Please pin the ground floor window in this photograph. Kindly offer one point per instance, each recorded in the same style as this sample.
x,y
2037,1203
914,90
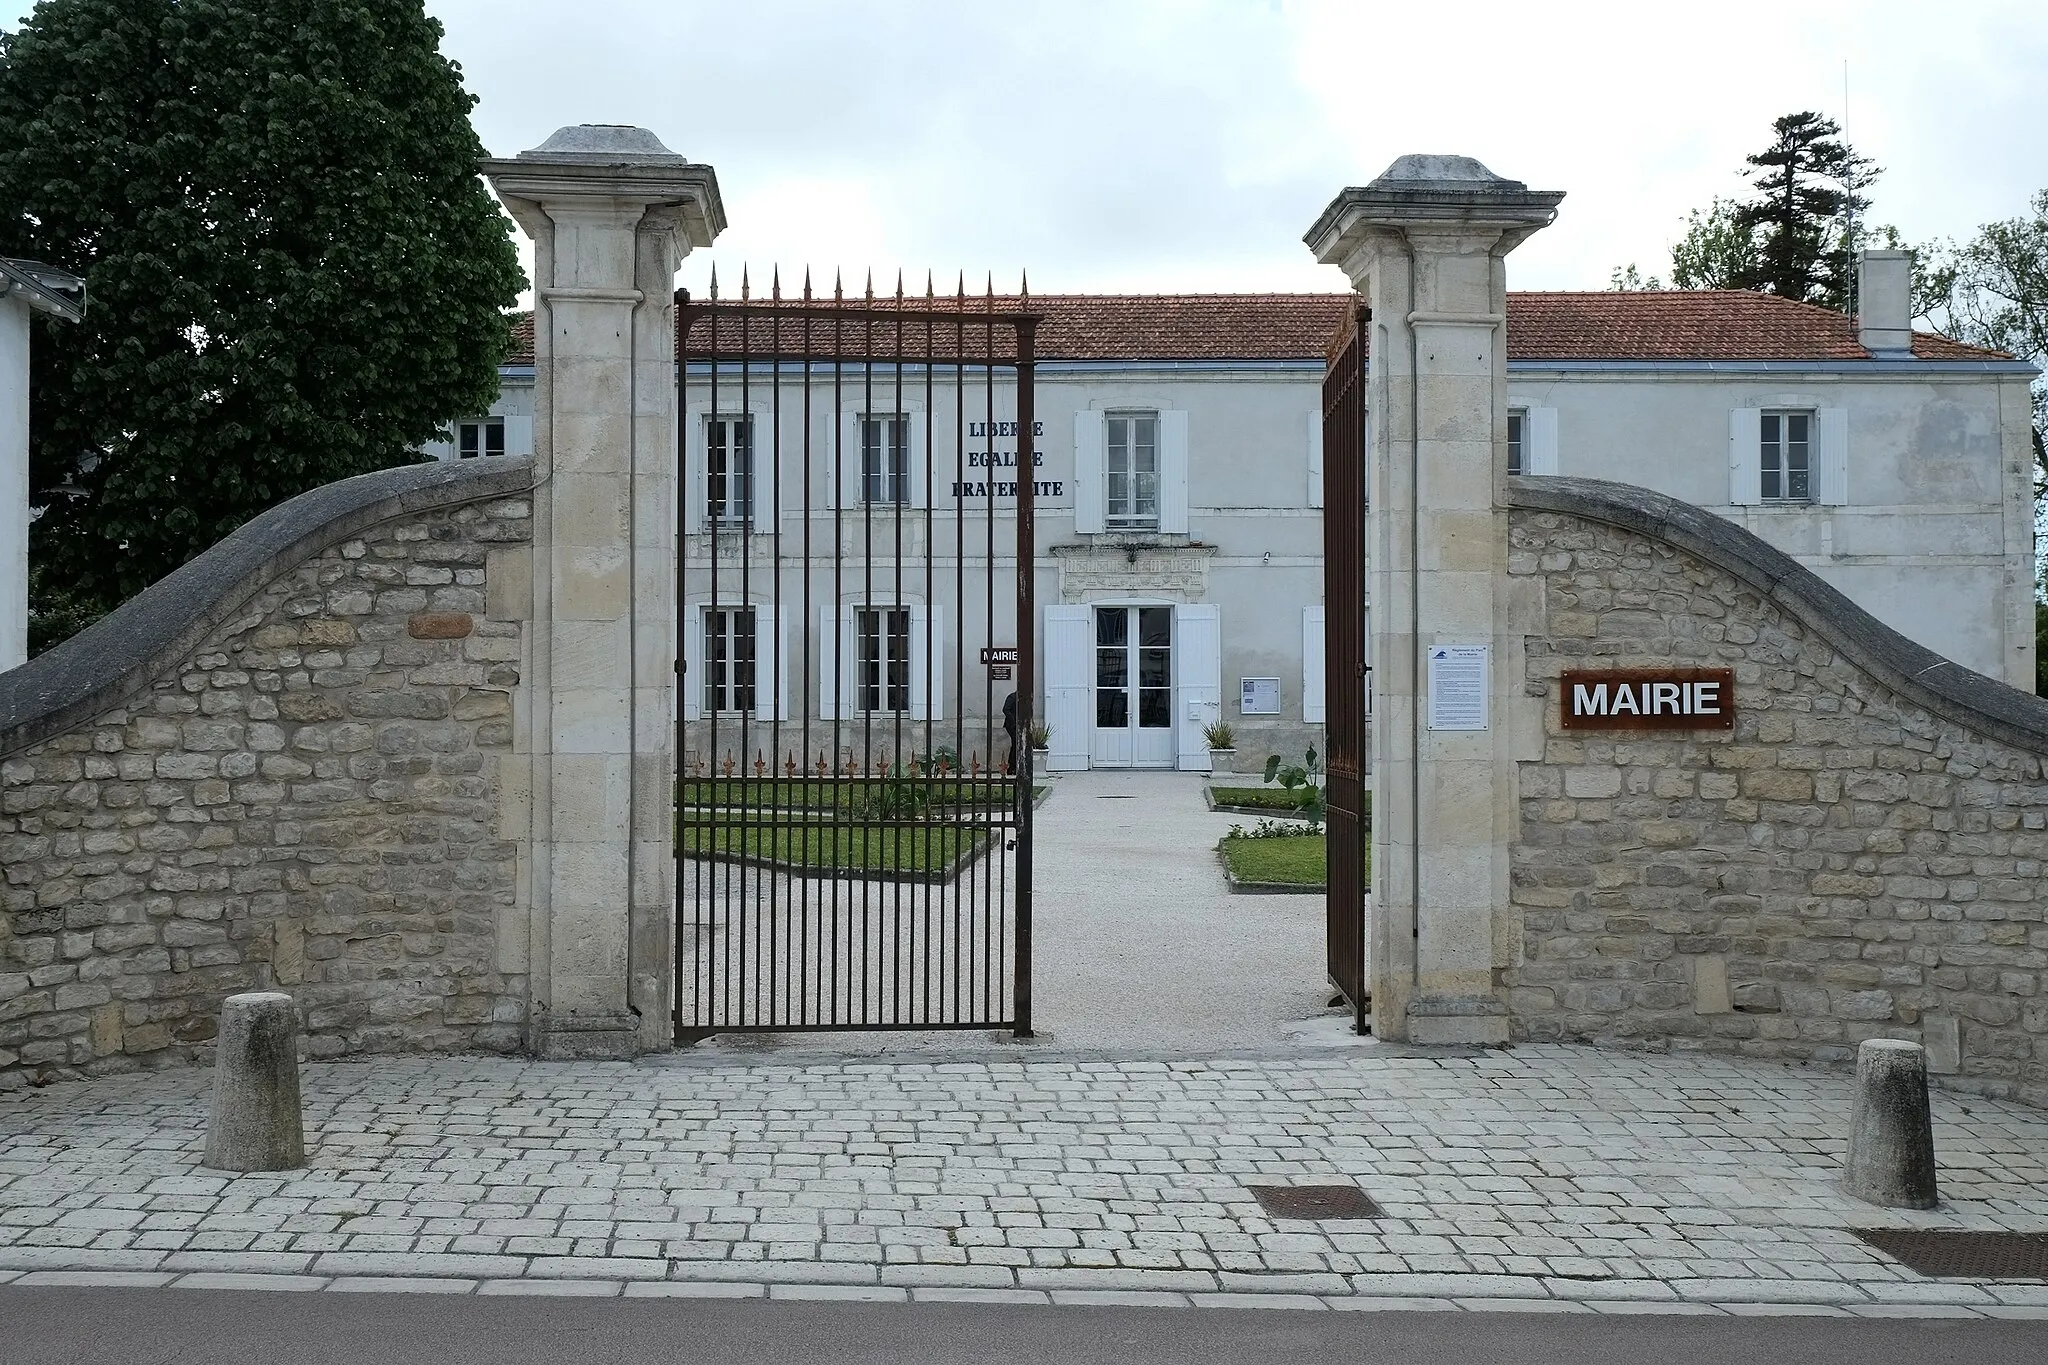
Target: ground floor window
x,y
881,676
729,659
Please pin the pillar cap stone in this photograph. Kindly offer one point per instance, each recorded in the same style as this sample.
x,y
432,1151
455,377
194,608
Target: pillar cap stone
x,y
615,161
1430,190
612,143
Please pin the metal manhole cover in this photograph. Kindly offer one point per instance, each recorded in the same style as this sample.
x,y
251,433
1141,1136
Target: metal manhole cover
x,y
1315,1201
1977,1255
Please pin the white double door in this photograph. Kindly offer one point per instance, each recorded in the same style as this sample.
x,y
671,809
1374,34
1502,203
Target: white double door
x,y
1131,684
1133,688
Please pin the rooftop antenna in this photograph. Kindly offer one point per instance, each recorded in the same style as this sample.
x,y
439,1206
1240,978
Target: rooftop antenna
x,y
1849,209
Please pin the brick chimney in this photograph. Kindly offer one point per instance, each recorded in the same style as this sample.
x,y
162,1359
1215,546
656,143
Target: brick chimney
x,y
1884,293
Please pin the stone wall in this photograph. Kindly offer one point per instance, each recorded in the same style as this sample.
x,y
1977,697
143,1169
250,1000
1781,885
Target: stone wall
x,y
1866,855
277,768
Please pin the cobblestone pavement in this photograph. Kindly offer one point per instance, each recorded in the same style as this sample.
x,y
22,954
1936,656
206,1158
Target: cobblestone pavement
x,y
1556,1177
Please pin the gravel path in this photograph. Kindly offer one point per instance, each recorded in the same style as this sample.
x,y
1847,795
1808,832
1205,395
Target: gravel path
x,y
1141,947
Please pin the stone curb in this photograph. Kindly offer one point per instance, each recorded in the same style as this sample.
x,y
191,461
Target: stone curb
x,y
1129,1289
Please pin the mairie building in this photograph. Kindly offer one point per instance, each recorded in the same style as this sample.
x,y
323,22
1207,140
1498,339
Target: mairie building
x,y
1177,466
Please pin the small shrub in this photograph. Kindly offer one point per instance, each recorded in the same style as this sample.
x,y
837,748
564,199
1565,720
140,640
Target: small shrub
x,y
1217,734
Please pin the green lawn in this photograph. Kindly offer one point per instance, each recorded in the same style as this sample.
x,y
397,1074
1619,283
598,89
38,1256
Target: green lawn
x,y
914,850
839,793
1301,860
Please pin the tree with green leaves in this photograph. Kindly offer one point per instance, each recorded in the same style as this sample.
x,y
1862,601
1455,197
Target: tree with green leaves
x,y
295,272
1992,291
1793,237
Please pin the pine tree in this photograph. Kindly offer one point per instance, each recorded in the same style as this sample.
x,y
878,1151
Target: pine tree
x,y
295,273
1793,237
1808,185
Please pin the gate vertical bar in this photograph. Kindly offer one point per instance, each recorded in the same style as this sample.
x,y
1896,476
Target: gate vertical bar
x,y
1027,651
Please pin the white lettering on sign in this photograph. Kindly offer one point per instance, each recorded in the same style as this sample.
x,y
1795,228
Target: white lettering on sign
x,y
1457,687
1681,699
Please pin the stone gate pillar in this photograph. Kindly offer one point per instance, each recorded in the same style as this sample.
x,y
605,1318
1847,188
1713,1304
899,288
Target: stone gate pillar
x,y
1425,244
612,212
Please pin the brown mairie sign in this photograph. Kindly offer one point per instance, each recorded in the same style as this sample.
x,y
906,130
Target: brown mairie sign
x,y
1648,699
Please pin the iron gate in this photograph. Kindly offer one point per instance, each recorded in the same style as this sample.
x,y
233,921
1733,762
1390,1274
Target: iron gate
x,y
853,830
1349,818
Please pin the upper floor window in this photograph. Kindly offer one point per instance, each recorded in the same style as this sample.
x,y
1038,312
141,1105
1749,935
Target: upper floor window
x,y
729,636
1131,471
480,436
884,458
1786,456
1518,425
729,468
881,678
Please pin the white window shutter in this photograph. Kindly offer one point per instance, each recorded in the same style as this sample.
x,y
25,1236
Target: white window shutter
x,y
919,493
1315,458
766,504
844,462
928,663
694,471
771,665
1539,426
1066,652
1173,474
832,684
1198,680
691,684
1090,436
1314,711
519,435
1831,485
1745,456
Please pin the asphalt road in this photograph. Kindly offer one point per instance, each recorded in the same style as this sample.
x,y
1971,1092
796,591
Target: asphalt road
x,y
159,1327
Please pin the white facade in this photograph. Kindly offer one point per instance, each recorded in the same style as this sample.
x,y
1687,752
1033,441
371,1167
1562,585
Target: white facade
x,y
1909,488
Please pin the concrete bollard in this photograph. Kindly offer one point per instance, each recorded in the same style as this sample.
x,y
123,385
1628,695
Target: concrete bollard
x,y
1891,1134
256,1123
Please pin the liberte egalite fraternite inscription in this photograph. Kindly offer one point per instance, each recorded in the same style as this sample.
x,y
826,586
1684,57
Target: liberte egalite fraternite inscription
x,y
1648,699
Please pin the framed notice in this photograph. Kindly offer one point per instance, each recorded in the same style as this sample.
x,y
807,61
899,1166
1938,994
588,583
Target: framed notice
x,y
1457,687
1647,699
1258,696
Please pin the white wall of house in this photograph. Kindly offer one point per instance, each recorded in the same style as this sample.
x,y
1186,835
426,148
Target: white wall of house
x,y
1928,524
1920,510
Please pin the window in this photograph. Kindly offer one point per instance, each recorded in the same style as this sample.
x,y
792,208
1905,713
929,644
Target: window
x,y
885,458
480,436
1518,424
1132,471
729,659
881,677
1786,457
729,468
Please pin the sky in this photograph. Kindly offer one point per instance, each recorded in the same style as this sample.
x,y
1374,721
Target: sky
x,y
1186,145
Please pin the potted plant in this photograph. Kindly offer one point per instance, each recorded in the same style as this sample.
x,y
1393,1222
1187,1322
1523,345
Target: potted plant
x,y
1222,742
1041,737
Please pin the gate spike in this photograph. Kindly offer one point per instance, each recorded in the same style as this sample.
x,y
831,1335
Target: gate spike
x,y
838,286
743,282
775,283
960,288
869,287
1024,287
928,294
714,282
807,284
899,288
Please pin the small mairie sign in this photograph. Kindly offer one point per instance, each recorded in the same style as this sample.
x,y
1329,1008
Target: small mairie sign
x,y
1649,699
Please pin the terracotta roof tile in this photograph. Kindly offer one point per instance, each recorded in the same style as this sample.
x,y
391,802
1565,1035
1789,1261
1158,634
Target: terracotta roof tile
x,y
1604,325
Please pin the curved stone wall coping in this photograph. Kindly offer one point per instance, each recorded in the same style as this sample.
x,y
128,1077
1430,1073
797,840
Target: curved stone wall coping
x,y
1940,685
121,654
